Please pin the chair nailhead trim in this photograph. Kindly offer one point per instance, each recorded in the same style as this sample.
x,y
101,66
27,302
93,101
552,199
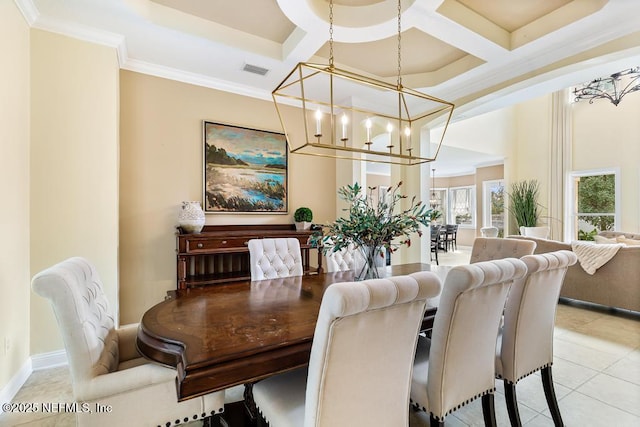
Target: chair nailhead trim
x,y
455,408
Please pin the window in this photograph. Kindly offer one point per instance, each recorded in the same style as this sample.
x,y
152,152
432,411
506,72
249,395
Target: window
x,y
594,198
438,202
462,206
493,205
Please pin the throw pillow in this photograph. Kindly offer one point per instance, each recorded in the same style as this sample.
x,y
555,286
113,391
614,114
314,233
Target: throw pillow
x,y
603,240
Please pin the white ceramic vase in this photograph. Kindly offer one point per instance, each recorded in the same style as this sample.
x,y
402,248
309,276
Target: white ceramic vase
x,y
191,217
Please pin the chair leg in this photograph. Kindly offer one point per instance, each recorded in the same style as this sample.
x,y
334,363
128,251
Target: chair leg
x,y
512,404
489,410
550,394
433,422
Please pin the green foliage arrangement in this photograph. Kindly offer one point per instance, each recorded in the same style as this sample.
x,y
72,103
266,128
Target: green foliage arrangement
x,y
372,224
435,215
523,204
303,214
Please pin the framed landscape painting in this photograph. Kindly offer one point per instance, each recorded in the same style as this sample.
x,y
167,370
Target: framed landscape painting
x,y
245,170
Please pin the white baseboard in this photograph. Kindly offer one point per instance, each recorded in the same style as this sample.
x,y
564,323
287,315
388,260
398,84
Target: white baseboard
x,y
15,383
34,363
53,359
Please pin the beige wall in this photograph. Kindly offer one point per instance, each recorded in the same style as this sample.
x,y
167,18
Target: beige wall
x,y
74,166
14,191
606,136
161,165
602,136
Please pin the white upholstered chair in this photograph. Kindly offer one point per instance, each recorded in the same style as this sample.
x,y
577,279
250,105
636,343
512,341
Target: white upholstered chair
x,y
541,232
348,258
273,258
489,231
490,248
525,344
457,365
105,366
361,358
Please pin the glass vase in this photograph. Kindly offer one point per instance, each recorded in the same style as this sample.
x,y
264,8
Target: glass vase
x,y
371,263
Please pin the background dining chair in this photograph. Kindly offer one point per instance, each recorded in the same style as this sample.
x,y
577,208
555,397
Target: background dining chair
x,y
105,366
489,231
457,365
345,259
361,358
490,248
435,242
273,258
541,232
526,341
451,236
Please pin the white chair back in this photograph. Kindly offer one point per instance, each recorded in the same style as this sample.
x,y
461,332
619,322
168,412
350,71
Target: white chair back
x,y
84,317
491,248
348,258
529,317
362,353
273,258
459,366
489,231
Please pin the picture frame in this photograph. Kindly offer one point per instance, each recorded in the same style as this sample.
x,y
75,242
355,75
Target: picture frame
x,y
244,170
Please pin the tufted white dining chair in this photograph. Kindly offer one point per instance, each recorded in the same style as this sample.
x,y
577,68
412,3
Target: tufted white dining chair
x,y
457,365
105,365
489,231
361,357
490,248
345,259
525,344
273,258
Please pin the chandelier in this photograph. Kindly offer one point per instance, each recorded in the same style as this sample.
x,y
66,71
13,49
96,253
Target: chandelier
x,y
345,115
433,202
613,88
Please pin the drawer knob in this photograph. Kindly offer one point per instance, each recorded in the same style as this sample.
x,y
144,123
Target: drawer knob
x,y
199,245
246,243
224,242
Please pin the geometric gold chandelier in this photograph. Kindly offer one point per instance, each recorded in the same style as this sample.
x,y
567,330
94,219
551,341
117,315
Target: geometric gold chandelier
x,y
613,88
345,115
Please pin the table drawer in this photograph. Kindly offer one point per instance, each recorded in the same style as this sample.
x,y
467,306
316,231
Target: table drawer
x,y
199,245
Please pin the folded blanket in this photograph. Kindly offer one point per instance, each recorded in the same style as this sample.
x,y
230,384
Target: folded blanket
x,y
592,256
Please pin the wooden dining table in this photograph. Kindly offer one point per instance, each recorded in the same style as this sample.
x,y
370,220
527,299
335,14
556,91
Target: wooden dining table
x,y
238,333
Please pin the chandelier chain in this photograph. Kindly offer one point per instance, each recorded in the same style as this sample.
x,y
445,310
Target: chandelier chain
x,y
399,44
330,33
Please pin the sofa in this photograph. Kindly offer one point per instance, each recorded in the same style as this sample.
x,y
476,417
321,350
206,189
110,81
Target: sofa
x,y
616,284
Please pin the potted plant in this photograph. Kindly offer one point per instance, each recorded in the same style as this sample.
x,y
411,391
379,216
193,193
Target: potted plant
x,y
524,204
435,216
303,217
373,223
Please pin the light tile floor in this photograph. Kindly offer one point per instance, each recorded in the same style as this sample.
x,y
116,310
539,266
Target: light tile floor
x,y
596,373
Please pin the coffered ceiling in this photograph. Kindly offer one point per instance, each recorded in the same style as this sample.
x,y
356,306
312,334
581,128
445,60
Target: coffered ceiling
x,y
479,54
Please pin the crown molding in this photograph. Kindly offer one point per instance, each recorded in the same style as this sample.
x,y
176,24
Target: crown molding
x,y
117,41
194,79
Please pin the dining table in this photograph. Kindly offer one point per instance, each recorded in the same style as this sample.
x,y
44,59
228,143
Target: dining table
x,y
227,334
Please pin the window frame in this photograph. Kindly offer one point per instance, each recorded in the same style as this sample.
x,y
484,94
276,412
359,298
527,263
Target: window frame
x,y
486,202
571,201
472,206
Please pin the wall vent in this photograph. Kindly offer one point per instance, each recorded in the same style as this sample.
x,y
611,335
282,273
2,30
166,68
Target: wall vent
x,y
255,69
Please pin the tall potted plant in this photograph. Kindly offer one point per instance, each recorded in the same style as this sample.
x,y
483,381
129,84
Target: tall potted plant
x,y
523,202
373,223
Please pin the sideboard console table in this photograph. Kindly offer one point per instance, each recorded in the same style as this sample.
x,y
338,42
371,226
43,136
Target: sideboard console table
x,y
219,253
